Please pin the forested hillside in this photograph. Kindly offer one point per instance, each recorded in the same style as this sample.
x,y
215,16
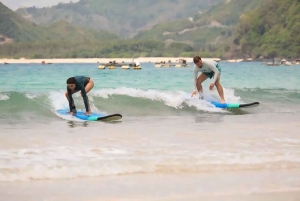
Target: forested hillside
x,y
271,30
14,28
231,29
208,31
123,17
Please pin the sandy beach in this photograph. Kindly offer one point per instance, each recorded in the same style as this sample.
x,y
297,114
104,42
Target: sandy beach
x,y
96,60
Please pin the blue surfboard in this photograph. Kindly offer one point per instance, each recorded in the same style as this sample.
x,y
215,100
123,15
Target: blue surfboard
x,y
92,117
234,105
229,105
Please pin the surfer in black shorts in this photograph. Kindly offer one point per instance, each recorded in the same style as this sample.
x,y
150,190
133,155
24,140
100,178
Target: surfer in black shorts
x,y
75,84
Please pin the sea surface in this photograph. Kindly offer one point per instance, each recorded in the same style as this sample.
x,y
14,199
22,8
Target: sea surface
x,y
167,146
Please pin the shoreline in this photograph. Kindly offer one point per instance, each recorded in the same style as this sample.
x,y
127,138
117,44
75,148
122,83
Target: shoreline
x,y
161,187
96,60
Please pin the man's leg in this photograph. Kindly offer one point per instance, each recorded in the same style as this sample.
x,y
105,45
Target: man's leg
x,y
220,89
88,88
202,77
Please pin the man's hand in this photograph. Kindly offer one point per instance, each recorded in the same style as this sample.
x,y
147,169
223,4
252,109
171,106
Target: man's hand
x,y
193,93
211,86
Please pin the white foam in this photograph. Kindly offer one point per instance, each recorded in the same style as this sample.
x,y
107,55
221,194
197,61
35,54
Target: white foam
x,y
31,96
59,101
202,105
73,162
175,99
228,95
4,97
66,162
172,98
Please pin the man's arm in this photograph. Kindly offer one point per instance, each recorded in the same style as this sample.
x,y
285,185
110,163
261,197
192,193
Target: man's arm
x,y
195,77
70,98
80,85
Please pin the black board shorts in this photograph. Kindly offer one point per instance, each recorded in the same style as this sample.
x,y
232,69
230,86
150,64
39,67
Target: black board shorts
x,y
86,81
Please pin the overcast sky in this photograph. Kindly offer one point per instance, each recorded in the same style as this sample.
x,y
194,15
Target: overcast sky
x,y
15,4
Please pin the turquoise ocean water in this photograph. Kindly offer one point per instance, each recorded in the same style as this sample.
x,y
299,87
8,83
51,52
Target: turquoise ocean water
x,y
151,91
162,133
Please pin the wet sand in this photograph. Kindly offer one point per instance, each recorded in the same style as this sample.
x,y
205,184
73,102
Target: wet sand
x,y
246,186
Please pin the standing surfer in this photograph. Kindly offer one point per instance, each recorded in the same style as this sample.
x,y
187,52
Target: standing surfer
x,y
208,68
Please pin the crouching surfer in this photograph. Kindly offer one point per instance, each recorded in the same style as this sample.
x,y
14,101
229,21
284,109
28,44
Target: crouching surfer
x,y
75,84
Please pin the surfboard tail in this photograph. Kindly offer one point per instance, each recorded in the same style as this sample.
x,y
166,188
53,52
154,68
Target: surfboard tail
x,y
254,104
112,117
235,105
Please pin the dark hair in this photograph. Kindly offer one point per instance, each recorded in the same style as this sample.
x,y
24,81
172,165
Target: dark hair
x,y
71,80
196,59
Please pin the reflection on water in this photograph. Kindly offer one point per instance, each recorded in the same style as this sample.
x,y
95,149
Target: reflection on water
x,y
238,111
73,124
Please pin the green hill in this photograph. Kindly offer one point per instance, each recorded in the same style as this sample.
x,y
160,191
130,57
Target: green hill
x,y
14,28
123,17
231,29
207,30
66,31
21,38
271,30
228,12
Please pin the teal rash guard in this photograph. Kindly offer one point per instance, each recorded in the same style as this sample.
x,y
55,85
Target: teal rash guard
x,y
79,86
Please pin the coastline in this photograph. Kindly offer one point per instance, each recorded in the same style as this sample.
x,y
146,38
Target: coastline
x,y
95,60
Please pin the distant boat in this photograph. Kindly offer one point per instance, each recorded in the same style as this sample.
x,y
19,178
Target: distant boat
x,y
287,63
163,64
272,63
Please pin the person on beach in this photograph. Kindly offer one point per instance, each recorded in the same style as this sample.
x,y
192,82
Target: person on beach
x,y
208,68
75,84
